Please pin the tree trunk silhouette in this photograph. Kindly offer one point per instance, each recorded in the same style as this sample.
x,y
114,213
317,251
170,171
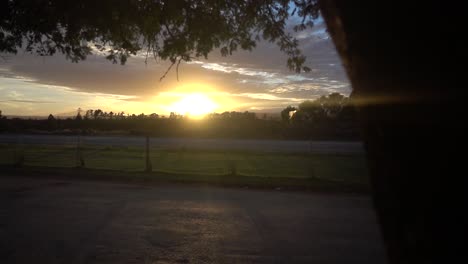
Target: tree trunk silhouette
x,y
399,59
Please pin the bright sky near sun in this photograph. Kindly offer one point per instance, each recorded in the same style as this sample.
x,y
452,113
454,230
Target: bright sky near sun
x,y
257,81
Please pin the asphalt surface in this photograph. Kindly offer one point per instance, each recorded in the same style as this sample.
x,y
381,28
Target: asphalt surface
x,y
57,221
284,146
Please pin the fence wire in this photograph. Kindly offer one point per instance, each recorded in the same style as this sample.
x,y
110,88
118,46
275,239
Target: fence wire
x,y
181,159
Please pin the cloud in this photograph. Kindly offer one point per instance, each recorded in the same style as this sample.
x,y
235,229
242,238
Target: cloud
x,y
269,97
257,79
28,101
239,70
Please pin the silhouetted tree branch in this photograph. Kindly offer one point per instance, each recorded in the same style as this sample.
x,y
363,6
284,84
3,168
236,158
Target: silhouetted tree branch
x,y
175,30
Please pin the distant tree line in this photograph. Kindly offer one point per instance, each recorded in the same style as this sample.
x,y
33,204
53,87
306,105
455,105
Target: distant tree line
x,y
328,117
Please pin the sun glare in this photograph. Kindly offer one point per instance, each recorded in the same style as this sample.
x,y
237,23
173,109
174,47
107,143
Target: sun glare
x,y
194,105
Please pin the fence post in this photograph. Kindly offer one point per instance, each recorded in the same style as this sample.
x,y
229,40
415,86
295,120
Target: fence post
x,y
232,167
79,155
311,167
19,152
148,167
312,174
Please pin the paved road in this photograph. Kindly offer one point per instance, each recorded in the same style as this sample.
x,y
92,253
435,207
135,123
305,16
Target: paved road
x,y
284,146
52,221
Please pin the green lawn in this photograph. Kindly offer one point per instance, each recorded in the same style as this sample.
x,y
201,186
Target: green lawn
x,y
343,168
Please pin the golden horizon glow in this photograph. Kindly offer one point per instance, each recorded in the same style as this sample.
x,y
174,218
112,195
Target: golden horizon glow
x,y
194,100
194,105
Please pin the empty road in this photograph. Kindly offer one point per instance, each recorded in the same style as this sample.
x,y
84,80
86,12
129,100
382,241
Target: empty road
x,y
62,221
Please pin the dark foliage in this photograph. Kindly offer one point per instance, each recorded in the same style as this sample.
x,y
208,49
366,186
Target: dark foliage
x,y
304,124
175,30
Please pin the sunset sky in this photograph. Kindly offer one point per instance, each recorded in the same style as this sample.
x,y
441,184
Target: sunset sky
x,y
257,81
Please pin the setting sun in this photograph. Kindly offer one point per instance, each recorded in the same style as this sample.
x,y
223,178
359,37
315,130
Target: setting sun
x,y
194,105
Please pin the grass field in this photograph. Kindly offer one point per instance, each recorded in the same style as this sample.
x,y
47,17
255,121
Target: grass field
x,y
346,168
